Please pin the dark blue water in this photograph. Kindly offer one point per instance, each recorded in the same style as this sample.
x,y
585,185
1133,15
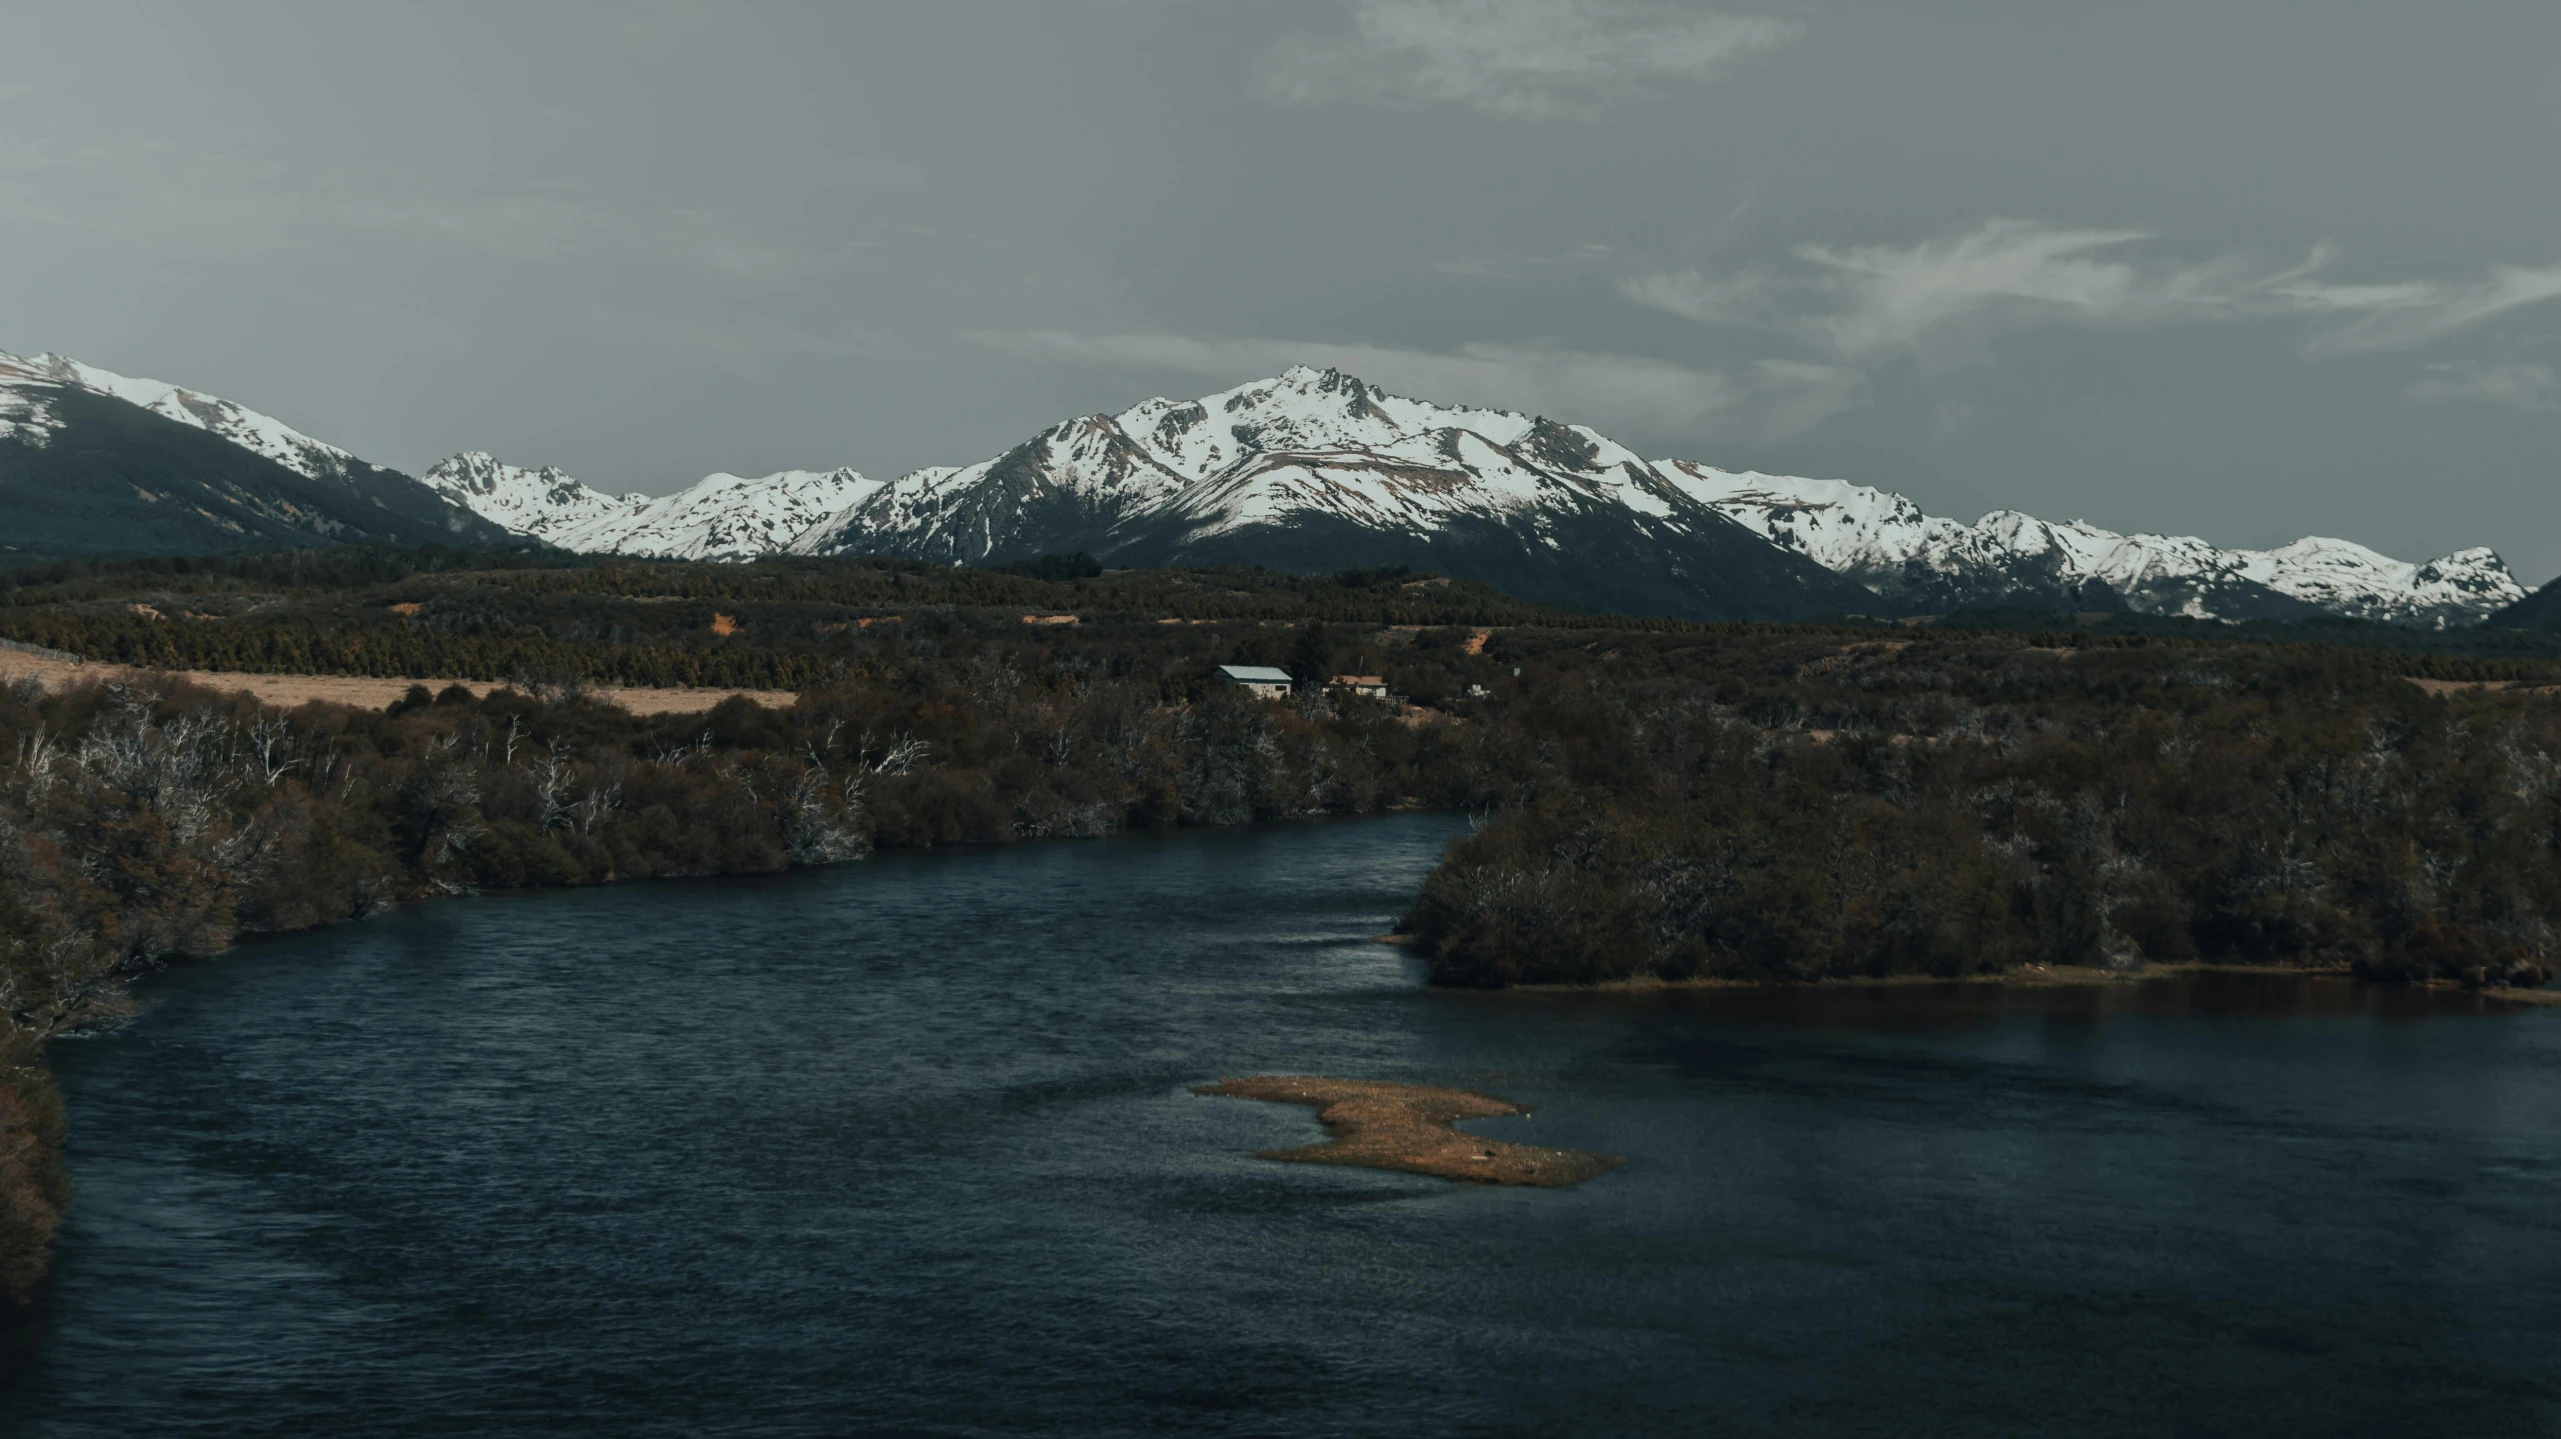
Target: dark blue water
x,y
907,1148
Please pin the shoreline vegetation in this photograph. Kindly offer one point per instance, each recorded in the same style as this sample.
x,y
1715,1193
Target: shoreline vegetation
x,y
2025,976
2031,977
1656,803
1411,1129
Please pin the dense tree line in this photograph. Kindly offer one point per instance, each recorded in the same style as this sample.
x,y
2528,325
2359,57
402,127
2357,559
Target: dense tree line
x,y
786,624
1953,810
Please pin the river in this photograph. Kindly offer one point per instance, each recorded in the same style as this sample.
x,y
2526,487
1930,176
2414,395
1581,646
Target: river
x,y
907,1147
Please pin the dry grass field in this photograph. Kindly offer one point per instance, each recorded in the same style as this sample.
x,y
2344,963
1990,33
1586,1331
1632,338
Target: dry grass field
x,y
365,691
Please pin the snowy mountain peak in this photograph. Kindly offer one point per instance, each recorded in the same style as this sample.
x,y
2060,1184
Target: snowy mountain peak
x,y
1306,444
545,504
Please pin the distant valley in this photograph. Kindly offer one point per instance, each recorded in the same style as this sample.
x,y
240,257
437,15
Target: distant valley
x,y
1310,471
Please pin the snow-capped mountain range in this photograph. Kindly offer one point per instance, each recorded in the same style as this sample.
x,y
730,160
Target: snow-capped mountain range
x,y
721,517
1318,470
1163,481
1926,563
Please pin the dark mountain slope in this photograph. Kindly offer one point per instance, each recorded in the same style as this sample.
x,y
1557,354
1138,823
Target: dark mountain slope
x,y
2540,610
103,477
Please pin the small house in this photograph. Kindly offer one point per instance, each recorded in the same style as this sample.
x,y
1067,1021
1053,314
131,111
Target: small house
x,y
1264,681
1370,686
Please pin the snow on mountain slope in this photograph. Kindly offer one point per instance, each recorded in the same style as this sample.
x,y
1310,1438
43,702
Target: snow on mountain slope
x,y
1317,470
1307,443
543,504
720,517
725,516
2347,578
1885,542
257,433
1393,463
27,412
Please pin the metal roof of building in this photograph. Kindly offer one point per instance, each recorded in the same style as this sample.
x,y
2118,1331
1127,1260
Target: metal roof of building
x,y
1255,674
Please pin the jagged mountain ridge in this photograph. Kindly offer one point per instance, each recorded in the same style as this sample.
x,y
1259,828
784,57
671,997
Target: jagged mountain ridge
x,y
93,463
1318,470
1928,564
543,504
720,517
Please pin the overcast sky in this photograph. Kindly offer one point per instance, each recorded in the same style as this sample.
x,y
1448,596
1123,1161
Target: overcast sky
x,y
2244,270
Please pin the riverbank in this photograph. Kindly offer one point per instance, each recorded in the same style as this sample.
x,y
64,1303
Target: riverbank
x,y
2026,976
2060,976
2033,976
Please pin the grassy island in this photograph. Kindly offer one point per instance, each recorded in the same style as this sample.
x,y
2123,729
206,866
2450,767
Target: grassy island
x,y
1412,1128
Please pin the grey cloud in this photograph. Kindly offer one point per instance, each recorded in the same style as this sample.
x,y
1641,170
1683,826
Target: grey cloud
x,y
2519,386
1519,59
1765,400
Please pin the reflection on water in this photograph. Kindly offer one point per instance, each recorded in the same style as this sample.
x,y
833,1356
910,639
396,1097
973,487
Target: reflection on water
x,y
908,1148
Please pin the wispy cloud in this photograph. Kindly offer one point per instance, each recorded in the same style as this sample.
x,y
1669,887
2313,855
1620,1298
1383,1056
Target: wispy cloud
x,y
2393,317
1768,400
1520,59
2520,386
1874,300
